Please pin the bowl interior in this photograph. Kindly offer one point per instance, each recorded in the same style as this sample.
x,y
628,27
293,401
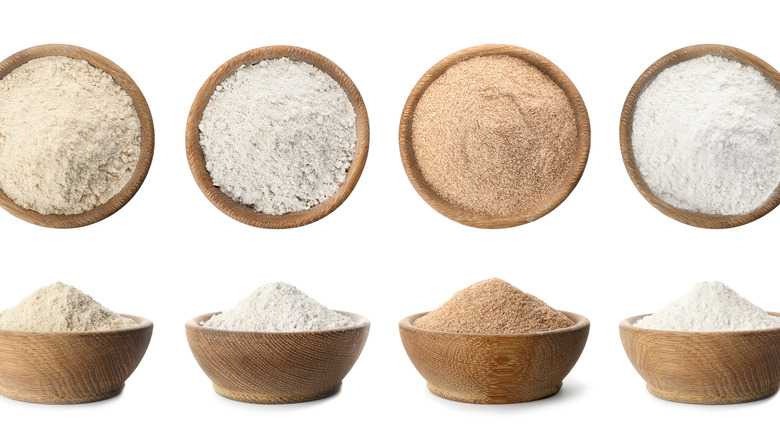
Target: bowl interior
x,y
457,213
695,219
147,138
195,323
246,214
580,322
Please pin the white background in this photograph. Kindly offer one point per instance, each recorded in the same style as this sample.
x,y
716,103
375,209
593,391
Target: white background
x,y
169,255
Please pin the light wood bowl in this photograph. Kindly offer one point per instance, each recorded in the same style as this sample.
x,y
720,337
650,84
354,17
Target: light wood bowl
x,y
273,367
492,369
457,213
705,367
70,367
147,138
695,219
243,213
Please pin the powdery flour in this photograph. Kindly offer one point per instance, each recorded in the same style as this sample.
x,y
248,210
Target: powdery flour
x,y
278,307
706,136
70,137
710,307
61,308
278,136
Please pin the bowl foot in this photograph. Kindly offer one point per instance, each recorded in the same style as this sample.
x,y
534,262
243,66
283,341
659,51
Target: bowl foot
x,y
711,399
60,399
255,397
503,398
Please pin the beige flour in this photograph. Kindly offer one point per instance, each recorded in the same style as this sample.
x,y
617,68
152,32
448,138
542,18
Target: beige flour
x,y
70,137
61,308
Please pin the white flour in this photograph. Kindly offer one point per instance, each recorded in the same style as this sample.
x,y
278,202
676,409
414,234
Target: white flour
x,y
70,137
278,307
706,136
278,136
61,308
710,307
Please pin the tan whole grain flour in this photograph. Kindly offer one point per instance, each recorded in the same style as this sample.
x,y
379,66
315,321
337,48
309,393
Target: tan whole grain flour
x,y
70,137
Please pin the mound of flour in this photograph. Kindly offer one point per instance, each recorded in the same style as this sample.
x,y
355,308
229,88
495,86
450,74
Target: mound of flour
x,y
278,307
710,307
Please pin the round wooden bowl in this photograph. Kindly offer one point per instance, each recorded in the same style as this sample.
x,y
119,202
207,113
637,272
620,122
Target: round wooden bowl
x,y
276,367
241,212
705,367
147,138
695,219
457,213
492,369
70,367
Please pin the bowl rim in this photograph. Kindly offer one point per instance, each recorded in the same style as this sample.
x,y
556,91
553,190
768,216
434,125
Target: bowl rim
x,y
241,212
696,219
143,323
580,323
119,200
194,324
628,324
463,216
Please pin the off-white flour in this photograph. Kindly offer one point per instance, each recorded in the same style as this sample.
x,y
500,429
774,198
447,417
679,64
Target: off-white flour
x,y
61,308
70,137
278,307
278,136
706,136
710,307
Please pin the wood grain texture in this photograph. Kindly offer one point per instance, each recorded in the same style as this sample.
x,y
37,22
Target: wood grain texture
x,y
147,138
458,214
492,369
241,212
705,367
626,121
266,367
70,367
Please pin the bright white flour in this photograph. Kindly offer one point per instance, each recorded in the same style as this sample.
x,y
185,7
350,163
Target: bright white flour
x,y
706,136
278,307
278,136
710,307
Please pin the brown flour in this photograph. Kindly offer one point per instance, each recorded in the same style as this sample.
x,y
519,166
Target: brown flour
x,y
494,135
493,307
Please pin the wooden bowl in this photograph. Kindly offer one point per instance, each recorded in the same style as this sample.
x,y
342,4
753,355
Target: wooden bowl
x,y
695,219
705,367
276,367
457,213
147,138
70,367
241,212
492,369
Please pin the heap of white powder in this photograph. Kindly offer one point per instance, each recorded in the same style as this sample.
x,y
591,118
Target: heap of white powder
x,y
278,136
61,308
706,136
710,307
278,307
70,137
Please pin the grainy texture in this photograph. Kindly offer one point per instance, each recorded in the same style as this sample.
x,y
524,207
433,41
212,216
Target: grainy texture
x,y
265,367
70,137
70,367
494,135
239,211
493,307
61,308
706,368
493,369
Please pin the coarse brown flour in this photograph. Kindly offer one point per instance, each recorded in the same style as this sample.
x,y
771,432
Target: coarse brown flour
x,y
61,308
70,137
278,136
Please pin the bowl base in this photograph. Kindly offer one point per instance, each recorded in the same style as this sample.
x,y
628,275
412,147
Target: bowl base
x,y
708,399
254,397
60,399
519,397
